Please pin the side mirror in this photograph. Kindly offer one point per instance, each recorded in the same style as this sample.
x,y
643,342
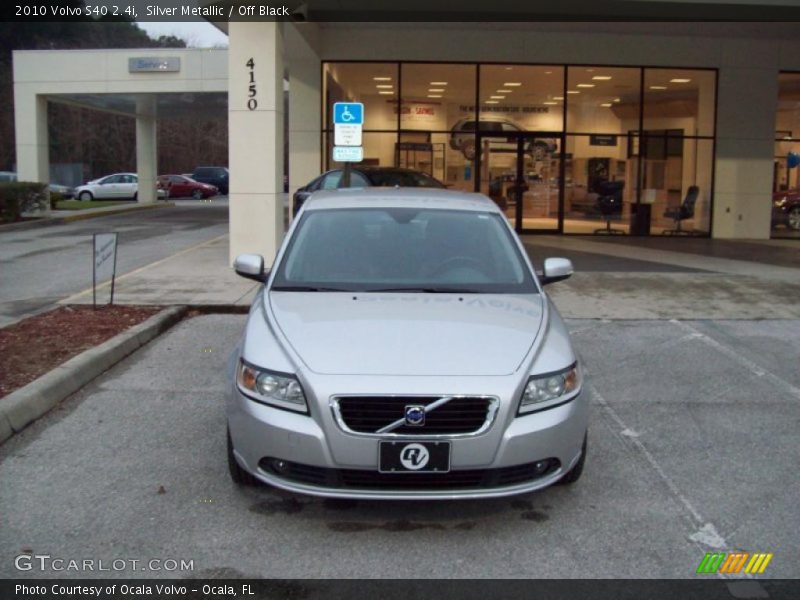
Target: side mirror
x,y
556,269
251,266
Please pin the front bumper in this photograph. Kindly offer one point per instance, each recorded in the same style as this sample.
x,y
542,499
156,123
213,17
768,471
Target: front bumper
x,y
316,444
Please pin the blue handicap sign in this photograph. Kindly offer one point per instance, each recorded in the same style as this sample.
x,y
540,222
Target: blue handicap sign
x,y
348,113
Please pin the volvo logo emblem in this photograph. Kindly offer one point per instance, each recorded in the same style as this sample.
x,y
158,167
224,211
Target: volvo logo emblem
x,y
415,415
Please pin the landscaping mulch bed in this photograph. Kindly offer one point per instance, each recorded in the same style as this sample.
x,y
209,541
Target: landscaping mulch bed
x,y
32,347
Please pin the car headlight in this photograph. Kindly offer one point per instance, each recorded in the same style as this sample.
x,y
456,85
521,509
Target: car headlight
x,y
545,391
280,390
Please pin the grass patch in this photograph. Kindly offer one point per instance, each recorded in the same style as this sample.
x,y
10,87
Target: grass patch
x,y
80,205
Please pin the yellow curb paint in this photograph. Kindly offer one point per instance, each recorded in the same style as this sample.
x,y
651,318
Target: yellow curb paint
x,y
144,268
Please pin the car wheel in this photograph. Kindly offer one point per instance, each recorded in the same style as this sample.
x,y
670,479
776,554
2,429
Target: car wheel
x,y
238,474
468,149
575,472
794,218
85,197
197,194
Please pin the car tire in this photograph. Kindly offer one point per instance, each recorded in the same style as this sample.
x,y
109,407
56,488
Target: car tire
x,y
793,218
238,474
575,472
85,197
468,149
197,194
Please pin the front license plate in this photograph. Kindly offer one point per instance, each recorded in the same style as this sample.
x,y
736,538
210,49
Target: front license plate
x,y
414,457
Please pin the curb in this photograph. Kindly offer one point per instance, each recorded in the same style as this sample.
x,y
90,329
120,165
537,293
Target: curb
x,y
48,221
25,405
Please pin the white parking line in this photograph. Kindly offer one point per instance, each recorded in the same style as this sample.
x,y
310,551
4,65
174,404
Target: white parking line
x,y
748,364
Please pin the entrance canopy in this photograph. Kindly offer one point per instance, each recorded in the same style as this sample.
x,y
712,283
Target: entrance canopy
x,y
144,84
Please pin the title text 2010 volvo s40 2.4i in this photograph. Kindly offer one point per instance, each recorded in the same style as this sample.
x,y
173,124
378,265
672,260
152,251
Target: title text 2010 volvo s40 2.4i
x,y
403,348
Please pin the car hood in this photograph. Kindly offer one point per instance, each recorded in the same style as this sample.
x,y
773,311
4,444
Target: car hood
x,y
408,333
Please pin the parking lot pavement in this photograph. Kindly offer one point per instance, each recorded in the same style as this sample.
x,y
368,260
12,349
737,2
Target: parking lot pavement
x,y
692,448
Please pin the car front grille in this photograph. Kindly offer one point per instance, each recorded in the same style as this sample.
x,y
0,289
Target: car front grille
x,y
365,479
460,415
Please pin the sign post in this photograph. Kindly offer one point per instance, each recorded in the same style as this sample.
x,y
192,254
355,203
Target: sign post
x,y
104,247
348,123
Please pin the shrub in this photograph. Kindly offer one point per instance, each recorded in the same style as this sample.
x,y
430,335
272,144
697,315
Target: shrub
x,y
20,196
55,198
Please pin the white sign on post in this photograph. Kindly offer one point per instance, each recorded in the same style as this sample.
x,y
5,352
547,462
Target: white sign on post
x,y
348,153
348,121
105,262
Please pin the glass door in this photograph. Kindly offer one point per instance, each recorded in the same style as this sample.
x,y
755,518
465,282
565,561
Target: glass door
x,y
521,172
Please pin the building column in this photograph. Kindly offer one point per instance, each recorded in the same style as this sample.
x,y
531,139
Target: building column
x,y
305,105
255,138
747,101
32,140
146,148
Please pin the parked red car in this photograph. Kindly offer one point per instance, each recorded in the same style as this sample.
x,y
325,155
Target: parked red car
x,y
180,186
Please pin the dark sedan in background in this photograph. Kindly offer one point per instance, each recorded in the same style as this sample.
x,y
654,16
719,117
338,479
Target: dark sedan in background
x,y
786,209
366,177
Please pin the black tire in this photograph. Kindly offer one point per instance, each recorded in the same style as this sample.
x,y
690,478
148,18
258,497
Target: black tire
x,y
468,149
238,474
135,195
197,194
793,218
85,197
575,472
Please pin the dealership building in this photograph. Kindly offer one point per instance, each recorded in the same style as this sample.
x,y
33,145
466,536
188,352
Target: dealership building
x,y
570,127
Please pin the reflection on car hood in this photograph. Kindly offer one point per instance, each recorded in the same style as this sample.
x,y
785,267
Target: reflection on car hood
x,y
408,333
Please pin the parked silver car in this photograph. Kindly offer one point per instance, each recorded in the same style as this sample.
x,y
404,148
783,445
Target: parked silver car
x,y
403,348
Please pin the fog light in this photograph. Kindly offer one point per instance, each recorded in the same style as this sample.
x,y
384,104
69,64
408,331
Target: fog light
x,y
280,466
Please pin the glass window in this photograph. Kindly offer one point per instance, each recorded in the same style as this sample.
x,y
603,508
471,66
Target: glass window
x,y
603,99
437,97
786,185
521,98
374,84
405,248
680,100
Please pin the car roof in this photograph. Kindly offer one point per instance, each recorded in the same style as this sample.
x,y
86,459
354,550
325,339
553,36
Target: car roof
x,y
377,197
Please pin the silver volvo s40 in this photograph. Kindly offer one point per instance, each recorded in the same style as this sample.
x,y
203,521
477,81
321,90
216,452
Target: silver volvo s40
x,y
403,347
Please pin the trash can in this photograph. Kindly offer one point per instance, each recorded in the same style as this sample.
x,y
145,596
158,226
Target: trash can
x,y
640,219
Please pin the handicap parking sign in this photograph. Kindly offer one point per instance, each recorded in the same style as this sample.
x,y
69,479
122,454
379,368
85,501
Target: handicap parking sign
x,y
348,113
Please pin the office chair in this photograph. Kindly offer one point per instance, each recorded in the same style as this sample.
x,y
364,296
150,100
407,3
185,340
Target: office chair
x,y
609,203
682,212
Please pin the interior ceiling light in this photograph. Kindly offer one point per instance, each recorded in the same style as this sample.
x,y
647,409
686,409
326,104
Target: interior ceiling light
x,y
590,70
558,97
617,99
438,83
658,87
490,102
512,84
504,91
548,72
573,92
385,93
434,95
606,105
436,90
550,103
680,80
384,86
602,77
382,78
585,85
497,97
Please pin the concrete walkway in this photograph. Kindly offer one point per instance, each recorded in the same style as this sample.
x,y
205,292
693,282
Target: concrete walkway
x,y
619,280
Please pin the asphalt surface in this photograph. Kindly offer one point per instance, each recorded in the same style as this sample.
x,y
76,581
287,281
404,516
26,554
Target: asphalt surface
x,y
692,449
39,267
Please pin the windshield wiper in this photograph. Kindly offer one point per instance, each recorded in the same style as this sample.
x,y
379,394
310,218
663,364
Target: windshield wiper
x,y
306,288
427,290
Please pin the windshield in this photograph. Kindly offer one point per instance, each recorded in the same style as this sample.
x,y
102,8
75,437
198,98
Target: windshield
x,y
403,249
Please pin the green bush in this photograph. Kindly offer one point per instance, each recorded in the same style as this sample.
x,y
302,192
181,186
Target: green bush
x,y
55,198
18,197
